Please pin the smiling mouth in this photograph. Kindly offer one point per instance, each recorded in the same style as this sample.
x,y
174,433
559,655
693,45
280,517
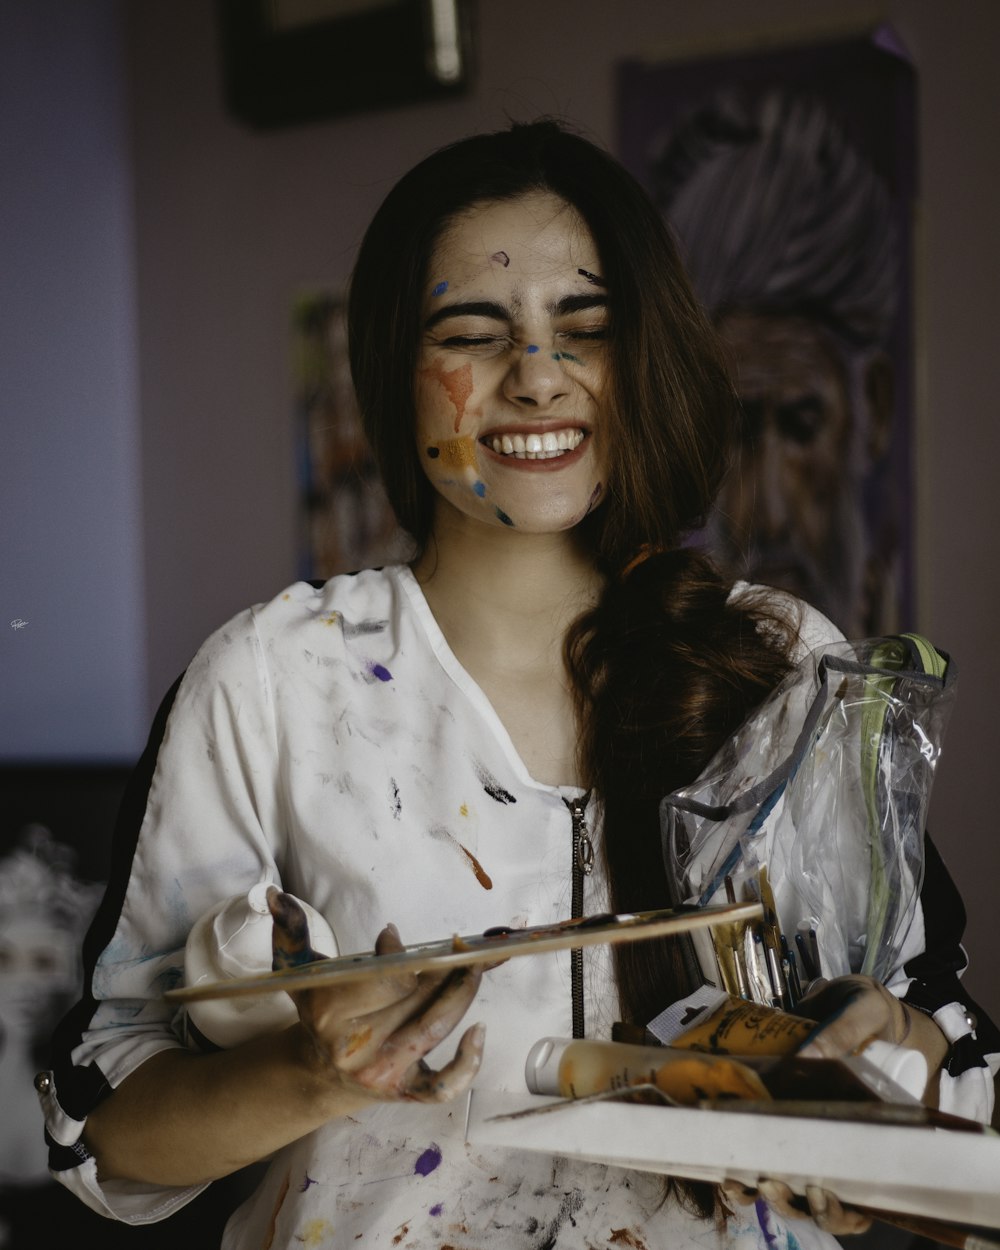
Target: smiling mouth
x,y
547,446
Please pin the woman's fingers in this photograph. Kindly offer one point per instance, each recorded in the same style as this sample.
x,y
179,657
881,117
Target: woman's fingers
x,y
823,1207
832,1216
290,946
455,1077
851,1012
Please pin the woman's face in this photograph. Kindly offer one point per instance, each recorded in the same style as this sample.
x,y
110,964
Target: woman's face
x,y
512,366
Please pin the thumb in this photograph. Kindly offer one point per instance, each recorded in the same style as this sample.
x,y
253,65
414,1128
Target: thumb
x,y
290,945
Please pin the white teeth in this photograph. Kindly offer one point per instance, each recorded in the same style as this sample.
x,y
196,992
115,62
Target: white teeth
x,y
537,446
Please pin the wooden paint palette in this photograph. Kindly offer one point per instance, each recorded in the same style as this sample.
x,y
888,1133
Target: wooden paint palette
x,y
492,946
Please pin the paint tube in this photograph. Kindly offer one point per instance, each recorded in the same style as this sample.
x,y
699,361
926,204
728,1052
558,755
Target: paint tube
x,y
578,1068
233,939
721,1023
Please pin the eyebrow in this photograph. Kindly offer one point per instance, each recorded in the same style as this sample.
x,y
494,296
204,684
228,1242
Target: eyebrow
x,y
500,312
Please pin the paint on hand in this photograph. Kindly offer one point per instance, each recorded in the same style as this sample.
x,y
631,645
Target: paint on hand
x,y
428,1161
504,517
492,787
458,384
501,258
290,945
440,288
379,671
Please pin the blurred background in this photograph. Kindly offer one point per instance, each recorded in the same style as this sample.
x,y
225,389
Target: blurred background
x,y
183,190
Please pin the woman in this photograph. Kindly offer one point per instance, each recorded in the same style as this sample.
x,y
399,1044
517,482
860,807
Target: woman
x,y
431,744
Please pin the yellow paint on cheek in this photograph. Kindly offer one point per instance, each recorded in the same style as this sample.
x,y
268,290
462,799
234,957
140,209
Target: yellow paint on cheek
x,y
458,453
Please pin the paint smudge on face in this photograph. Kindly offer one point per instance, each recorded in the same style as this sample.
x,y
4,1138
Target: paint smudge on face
x,y
531,349
493,787
591,277
479,488
567,356
436,1209
428,1161
455,453
379,671
501,258
440,288
458,384
504,517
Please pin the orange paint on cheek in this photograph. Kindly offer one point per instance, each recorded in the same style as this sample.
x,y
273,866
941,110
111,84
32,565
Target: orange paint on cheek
x,y
458,384
458,453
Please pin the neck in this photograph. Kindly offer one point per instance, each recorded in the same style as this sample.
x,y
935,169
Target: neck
x,y
495,591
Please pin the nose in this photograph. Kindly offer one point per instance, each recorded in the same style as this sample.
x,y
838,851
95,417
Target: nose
x,y
535,379
765,485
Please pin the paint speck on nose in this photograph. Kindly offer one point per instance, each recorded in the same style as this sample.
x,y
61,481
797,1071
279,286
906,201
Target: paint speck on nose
x,y
428,1161
440,288
531,349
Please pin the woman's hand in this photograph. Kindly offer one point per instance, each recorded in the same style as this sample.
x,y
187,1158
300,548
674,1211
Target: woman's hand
x,y
371,1036
851,1011
824,1208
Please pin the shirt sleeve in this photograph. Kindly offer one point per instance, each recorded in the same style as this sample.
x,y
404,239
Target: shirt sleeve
x,y
200,820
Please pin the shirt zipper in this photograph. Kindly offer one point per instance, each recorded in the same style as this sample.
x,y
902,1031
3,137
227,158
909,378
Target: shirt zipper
x,y
582,866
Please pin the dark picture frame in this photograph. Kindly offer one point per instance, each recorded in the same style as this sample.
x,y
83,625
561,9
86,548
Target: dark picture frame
x,y
287,62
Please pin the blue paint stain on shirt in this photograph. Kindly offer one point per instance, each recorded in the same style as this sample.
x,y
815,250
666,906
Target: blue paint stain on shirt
x,y
764,1220
379,671
428,1161
440,288
479,488
436,1209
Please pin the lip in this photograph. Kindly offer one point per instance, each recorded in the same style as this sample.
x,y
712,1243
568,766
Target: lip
x,y
564,461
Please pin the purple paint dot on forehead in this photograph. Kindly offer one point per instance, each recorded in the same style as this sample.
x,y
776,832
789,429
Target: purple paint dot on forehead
x,y
440,288
501,258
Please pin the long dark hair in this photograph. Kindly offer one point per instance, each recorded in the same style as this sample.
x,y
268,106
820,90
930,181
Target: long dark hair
x,y
669,662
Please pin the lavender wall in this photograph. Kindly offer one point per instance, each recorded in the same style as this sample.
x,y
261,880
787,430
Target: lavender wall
x,y
72,664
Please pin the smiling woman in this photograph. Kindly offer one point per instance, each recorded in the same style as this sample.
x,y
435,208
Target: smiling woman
x,y
479,739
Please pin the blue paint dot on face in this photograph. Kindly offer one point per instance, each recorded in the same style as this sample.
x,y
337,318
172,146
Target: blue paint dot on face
x,y
479,488
433,452
440,288
531,349
504,517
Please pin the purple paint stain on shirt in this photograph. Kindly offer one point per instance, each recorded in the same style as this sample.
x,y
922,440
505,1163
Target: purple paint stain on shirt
x,y
436,1209
428,1161
379,671
764,1220
440,288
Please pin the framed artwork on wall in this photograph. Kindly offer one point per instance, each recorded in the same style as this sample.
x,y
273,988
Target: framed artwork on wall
x,y
345,521
788,176
287,62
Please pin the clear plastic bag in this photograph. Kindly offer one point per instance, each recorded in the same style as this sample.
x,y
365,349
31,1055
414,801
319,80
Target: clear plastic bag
x,y
825,787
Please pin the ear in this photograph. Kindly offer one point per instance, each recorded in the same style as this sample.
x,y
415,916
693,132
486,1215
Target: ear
x,y
880,394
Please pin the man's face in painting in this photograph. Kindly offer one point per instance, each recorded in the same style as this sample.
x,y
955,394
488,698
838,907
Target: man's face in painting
x,y
790,513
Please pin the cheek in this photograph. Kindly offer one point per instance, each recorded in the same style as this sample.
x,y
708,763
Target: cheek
x,y
453,463
446,392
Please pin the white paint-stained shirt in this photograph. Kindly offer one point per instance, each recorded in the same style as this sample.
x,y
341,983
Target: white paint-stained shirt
x,y
330,742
